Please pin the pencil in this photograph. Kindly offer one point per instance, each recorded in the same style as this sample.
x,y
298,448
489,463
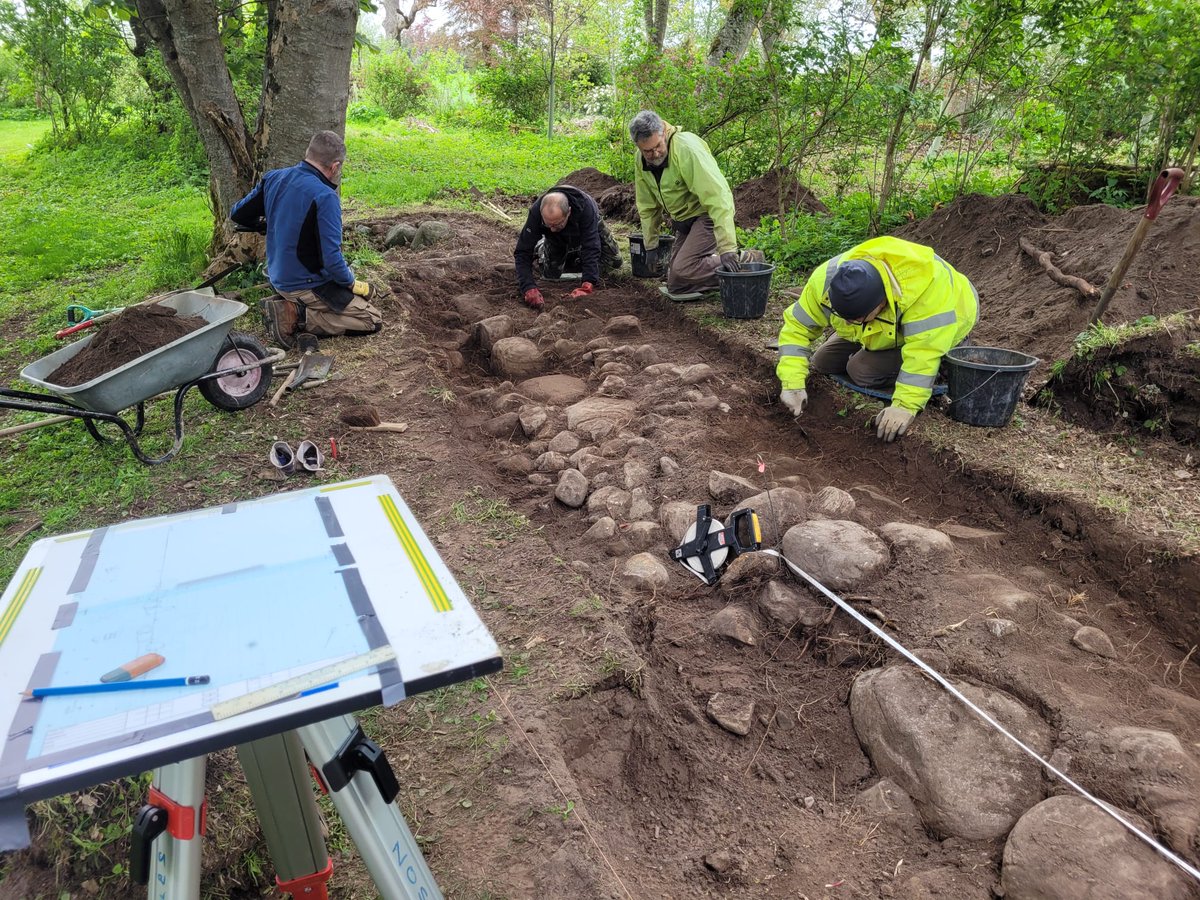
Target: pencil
x,y
108,687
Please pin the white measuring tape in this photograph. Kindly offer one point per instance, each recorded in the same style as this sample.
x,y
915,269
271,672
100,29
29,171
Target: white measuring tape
x,y
958,695
300,683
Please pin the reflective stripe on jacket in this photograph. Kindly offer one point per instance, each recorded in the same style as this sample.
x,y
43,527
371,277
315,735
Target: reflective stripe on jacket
x,y
691,185
931,307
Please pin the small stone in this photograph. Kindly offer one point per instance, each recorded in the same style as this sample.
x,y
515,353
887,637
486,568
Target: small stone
x,y
400,235
1095,641
697,373
493,329
613,386
635,474
676,516
645,355
658,370
734,714
516,357
780,604
644,572
428,233
667,466
729,488
1001,627
736,623
623,325
503,426
643,535
831,503
517,464
605,529
572,488
810,802
532,418
551,462
588,461
564,442
720,862
640,507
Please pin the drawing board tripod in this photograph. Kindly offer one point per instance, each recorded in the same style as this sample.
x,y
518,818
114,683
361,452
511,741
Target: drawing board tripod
x,y
299,609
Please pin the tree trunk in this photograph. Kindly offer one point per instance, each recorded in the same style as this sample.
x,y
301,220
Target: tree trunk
x,y
306,83
773,27
656,22
934,13
188,37
396,21
1189,161
734,37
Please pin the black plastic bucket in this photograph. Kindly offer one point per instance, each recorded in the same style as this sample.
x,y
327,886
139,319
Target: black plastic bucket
x,y
638,259
985,383
744,293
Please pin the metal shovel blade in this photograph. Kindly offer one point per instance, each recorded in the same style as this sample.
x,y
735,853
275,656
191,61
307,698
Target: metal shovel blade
x,y
313,367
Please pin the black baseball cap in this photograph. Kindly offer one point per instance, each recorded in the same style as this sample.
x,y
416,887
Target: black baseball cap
x,y
856,289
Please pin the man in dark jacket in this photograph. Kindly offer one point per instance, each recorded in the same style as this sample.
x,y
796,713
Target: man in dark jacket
x,y
301,214
564,228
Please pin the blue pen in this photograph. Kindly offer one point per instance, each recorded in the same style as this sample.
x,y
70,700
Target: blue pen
x,y
108,687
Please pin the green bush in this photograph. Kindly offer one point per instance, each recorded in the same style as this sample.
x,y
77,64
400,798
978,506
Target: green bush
x,y
515,85
362,111
392,83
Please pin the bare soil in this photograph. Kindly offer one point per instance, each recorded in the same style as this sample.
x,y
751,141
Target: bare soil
x,y
135,332
590,767
770,194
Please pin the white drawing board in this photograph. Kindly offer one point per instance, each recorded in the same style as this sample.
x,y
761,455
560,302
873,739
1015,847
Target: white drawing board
x,y
297,606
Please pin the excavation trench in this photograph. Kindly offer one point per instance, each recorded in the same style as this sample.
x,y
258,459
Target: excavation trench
x,y
621,710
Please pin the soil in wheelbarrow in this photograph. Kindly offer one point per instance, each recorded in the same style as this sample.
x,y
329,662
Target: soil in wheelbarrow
x,y
137,331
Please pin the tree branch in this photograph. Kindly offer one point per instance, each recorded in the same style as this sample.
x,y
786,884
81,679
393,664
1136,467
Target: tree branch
x,y
1042,257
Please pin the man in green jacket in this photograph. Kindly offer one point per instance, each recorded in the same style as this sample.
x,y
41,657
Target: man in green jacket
x,y
895,308
676,177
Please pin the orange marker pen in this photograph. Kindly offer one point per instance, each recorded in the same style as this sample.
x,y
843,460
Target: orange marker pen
x,y
133,669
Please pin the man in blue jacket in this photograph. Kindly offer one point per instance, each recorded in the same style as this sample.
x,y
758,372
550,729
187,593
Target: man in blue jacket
x,y
564,228
301,213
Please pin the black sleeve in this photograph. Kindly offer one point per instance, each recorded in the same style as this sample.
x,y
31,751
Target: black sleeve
x,y
589,241
526,242
250,211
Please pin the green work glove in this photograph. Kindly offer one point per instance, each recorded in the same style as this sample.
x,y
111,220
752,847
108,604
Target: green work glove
x,y
893,422
794,400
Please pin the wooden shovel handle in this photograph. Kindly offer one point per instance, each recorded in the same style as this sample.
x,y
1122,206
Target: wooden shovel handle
x,y
283,387
396,427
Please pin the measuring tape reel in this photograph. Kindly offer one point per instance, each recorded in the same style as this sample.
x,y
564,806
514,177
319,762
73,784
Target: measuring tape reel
x,y
708,546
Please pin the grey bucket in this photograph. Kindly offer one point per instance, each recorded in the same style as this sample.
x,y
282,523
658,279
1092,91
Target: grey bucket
x,y
985,383
639,262
744,293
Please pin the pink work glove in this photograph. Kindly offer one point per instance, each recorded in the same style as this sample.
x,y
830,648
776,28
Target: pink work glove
x,y
582,291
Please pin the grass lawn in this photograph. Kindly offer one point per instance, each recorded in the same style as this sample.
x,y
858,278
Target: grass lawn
x,y
104,226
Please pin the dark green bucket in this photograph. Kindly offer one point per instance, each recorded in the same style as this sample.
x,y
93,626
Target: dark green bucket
x,y
985,383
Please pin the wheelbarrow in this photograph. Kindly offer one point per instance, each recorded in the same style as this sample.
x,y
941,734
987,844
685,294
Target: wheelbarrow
x,y
232,370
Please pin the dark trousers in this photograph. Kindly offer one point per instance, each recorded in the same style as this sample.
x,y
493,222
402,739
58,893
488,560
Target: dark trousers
x,y
555,255
866,368
694,259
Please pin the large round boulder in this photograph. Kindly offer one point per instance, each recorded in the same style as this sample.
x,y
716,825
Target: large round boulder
x,y
516,357
1067,847
966,779
839,554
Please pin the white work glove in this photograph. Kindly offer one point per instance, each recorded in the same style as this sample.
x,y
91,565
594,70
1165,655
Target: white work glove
x,y
893,422
794,400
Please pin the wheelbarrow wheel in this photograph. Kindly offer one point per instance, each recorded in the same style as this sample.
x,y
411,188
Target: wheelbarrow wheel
x,y
242,388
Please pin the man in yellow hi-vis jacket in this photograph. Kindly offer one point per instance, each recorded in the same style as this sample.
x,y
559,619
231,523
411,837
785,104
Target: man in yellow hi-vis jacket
x,y
895,308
